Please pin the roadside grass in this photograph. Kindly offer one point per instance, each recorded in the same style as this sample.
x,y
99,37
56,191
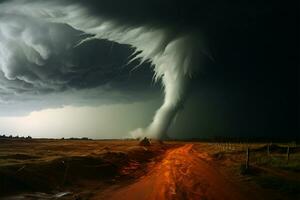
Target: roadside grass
x,y
288,188
55,165
279,161
275,171
270,167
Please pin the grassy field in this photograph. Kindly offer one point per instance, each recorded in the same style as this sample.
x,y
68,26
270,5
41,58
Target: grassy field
x,y
271,171
55,168
52,166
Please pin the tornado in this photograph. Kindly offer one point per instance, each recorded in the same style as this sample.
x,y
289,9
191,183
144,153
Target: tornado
x,y
174,55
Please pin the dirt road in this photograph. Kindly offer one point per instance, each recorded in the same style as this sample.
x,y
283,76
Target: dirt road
x,y
182,174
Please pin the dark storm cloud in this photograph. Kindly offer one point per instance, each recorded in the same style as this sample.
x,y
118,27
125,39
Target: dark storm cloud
x,y
174,55
53,65
44,57
39,58
255,46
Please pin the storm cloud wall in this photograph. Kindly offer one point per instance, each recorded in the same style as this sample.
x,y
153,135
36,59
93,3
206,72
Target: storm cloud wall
x,y
173,54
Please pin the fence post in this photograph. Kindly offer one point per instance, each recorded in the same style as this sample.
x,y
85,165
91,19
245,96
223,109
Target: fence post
x,y
247,158
288,154
268,149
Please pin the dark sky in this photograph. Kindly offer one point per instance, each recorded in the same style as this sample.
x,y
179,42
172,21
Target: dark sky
x,y
249,88
252,87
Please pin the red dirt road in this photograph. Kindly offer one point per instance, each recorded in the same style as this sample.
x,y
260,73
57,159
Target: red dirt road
x,y
182,174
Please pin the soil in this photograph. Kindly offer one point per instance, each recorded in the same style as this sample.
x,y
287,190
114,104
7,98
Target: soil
x,y
123,169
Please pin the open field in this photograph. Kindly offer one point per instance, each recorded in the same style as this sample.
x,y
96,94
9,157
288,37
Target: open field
x,y
271,174
122,169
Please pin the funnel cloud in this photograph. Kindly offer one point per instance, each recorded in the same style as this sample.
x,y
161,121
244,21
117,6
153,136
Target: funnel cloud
x,y
173,55
231,65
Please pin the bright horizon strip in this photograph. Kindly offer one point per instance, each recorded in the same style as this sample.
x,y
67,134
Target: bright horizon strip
x,y
102,122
